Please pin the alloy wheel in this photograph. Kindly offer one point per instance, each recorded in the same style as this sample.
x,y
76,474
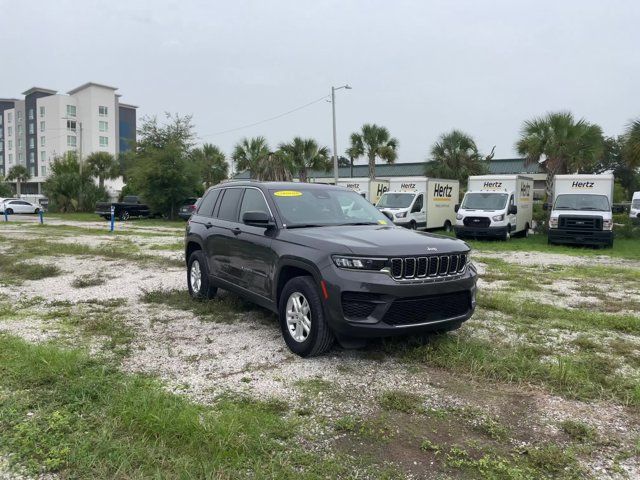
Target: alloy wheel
x,y
195,276
298,317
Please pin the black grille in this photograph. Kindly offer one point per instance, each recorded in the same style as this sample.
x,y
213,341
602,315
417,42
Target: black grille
x,y
433,266
428,309
358,305
480,222
580,223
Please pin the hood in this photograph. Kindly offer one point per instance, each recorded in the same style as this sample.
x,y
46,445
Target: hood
x,y
581,213
373,240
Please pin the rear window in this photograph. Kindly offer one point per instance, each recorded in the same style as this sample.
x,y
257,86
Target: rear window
x,y
229,205
207,203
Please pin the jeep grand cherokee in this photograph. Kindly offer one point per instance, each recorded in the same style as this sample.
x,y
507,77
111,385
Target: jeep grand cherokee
x,y
327,262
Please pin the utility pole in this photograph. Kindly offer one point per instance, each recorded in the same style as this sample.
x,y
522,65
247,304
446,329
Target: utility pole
x,y
335,140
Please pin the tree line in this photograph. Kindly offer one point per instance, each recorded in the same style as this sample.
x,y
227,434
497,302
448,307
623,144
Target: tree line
x,y
164,165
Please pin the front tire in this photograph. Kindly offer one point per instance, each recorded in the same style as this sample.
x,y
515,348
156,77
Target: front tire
x,y
124,216
412,225
36,211
304,328
198,279
507,235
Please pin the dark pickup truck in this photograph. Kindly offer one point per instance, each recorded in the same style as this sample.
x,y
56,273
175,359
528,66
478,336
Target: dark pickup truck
x,y
131,206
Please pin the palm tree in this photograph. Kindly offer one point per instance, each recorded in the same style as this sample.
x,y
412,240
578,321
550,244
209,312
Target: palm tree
x,y
455,155
373,141
560,144
251,154
20,174
631,149
214,164
304,154
104,166
278,167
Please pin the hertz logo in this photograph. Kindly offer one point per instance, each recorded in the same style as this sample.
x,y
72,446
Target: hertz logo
x,y
577,184
525,190
354,186
442,190
381,189
492,184
408,185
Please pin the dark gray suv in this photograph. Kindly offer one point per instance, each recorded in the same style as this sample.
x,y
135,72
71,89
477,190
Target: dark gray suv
x,y
327,262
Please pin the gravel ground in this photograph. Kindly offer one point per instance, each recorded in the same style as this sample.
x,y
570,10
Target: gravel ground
x,y
204,359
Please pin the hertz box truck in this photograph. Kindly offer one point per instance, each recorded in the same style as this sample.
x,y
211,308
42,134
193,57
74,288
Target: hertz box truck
x,y
421,203
372,190
496,206
581,212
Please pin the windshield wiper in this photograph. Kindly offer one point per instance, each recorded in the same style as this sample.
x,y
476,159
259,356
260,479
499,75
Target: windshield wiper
x,y
563,208
306,225
357,223
591,208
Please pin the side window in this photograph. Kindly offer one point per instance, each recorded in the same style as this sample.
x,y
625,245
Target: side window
x,y
417,207
207,203
229,204
511,201
253,201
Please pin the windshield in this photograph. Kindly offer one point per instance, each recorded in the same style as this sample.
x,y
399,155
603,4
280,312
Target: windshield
x,y
582,202
395,200
484,201
313,207
636,203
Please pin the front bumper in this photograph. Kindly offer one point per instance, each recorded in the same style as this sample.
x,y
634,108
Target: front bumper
x,y
580,237
386,307
477,232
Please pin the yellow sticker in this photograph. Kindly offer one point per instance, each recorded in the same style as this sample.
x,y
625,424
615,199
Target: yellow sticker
x,y
382,222
287,193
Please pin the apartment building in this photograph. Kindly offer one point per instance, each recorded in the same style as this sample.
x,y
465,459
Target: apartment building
x,y
46,124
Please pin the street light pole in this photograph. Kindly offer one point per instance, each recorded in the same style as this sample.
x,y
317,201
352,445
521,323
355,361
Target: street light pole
x,y
335,140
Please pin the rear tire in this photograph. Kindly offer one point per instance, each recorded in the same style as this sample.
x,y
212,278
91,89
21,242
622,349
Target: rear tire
x,y
9,211
198,279
447,226
124,216
304,328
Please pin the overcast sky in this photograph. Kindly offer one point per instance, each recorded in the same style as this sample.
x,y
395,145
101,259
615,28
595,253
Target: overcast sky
x,y
420,68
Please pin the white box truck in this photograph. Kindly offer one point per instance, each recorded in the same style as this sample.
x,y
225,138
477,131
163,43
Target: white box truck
x,y
581,212
634,210
425,203
497,206
372,190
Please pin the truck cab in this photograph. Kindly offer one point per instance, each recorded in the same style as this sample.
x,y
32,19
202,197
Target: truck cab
x,y
634,210
581,212
406,209
495,206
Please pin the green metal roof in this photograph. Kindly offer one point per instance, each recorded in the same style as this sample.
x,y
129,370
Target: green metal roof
x,y
414,169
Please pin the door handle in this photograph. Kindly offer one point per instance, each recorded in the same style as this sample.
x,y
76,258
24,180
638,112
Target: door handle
x,y
208,225
236,231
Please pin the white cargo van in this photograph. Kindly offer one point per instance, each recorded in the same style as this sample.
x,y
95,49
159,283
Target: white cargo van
x,y
495,206
427,203
581,212
372,190
634,211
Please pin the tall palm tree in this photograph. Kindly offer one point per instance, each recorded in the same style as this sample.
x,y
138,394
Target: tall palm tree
x,y
305,154
631,149
278,167
252,154
373,141
104,166
560,144
214,164
20,174
455,155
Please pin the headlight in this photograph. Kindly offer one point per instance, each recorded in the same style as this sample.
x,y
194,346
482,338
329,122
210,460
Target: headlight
x,y
459,217
359,263
553,222
607,224
401,214
498,218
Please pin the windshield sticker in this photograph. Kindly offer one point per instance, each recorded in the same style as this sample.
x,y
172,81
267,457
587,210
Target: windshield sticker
x,y
287,193
382,222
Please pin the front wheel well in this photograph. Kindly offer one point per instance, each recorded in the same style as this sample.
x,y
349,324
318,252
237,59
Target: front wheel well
x,y
191,247
287,273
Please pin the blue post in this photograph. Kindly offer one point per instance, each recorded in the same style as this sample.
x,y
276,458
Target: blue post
x,y
6,215
41,213
113,217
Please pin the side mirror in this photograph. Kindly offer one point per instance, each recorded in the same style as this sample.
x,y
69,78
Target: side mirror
x,y
457,207
257,219
513,210
545,206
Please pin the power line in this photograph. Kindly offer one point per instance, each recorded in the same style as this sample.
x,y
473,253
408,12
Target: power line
x,y
324,97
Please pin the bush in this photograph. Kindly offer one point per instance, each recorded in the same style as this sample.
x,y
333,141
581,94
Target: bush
x,y
540,218
624,227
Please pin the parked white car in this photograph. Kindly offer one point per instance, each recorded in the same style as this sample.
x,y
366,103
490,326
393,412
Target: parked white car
x,y
15,205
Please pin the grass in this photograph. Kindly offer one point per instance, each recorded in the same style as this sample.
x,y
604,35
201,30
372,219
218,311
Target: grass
x,y
63,412
578,431
400,401
89,280
622,247
13,271
222,309
142,222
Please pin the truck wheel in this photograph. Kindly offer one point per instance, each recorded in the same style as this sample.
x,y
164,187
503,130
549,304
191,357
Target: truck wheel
x,y
412,225
302,321
124,216
507,236
526,231
447,226
198,277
